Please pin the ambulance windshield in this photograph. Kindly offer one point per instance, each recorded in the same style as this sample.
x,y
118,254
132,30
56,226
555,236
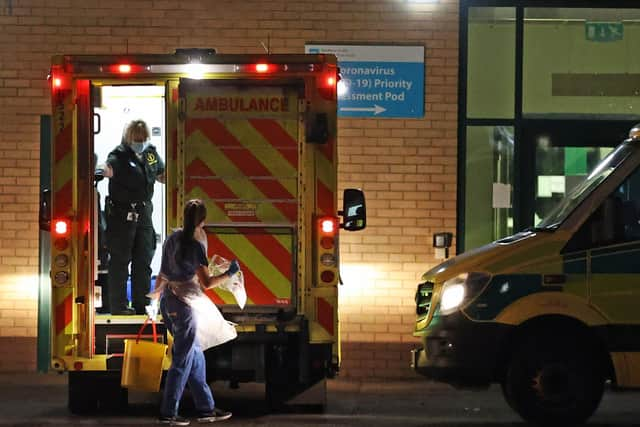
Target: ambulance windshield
x,y
582,190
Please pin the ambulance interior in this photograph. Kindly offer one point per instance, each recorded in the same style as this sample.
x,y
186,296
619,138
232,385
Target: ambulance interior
x,y
114,108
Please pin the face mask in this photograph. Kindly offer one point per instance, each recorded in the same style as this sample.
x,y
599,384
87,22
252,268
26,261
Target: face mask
x,y
138,147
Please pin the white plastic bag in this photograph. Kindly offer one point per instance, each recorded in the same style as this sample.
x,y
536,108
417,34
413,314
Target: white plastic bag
x,y
234,284
211,328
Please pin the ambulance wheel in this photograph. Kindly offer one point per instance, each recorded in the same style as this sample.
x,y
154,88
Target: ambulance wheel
x,y
554,381
82,397
276,396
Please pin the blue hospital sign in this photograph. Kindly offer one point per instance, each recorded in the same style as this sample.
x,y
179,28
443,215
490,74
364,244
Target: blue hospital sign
x,y
378,81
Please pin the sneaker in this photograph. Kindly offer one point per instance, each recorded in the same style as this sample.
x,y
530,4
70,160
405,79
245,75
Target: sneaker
x,y
213,416
174,421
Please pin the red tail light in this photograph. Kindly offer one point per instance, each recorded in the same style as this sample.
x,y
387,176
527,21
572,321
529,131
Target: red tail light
x,y
262,68
61,227
58,80
327,84
328,225
125,68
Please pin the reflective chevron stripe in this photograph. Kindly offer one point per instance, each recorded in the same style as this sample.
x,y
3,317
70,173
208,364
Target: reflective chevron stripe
x,y
245,168
62,207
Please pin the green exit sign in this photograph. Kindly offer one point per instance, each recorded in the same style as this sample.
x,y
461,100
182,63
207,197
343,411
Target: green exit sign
x,y
603,31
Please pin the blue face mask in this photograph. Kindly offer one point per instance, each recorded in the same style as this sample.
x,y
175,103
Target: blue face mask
x,y
138,147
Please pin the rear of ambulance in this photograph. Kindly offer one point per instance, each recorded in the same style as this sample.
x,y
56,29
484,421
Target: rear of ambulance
x,y
260,151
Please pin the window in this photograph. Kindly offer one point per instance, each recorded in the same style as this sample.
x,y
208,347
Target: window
x,y
616,221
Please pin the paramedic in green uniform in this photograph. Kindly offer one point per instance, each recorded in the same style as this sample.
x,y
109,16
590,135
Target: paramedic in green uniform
x,y
132,167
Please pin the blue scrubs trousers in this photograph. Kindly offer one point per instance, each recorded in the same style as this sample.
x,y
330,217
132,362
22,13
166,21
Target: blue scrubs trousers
x,y
188,364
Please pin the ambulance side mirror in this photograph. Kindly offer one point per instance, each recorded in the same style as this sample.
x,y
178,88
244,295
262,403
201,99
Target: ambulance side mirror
x,y
354,210
45,210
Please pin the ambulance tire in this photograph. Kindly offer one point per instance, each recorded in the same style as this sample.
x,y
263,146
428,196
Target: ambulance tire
x,y
82,398
91,392
554,381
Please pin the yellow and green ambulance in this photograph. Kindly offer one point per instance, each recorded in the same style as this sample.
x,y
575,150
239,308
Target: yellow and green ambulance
x,y
551,313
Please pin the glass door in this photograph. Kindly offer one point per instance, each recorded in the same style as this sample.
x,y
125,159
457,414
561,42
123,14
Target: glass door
x,y
557,155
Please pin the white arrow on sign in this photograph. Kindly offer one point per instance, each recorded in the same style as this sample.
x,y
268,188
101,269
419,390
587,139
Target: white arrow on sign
x,y
376,109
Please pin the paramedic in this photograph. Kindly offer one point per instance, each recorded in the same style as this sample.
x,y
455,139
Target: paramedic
x,y
133,167
184,274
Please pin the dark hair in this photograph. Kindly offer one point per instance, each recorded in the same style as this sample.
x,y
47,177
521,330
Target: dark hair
x,y
194,213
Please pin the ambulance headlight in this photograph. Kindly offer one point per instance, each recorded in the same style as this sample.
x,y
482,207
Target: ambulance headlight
x,y
461,289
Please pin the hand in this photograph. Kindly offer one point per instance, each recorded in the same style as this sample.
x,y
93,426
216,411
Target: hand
x,y
234,267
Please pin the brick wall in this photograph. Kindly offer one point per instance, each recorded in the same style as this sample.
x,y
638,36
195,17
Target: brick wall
x,y
406,167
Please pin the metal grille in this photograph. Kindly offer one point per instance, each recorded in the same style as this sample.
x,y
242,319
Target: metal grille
x,y
423,298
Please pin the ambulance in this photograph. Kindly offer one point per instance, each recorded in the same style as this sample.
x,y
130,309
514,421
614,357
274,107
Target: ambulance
x,y
255,137
552,313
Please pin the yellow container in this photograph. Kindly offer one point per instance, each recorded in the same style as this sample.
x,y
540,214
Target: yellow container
x,y
142,365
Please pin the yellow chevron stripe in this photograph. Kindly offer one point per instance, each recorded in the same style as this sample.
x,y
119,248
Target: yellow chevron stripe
x,y
266,153
63,172
63,339
325,170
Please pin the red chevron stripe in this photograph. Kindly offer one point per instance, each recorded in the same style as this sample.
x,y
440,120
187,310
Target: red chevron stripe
x,y
63,314
243,159
280,139
267,244
256,290
325,199
324,312
289,210
63,200
213,130
63,143
214,297
216,188
327,149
